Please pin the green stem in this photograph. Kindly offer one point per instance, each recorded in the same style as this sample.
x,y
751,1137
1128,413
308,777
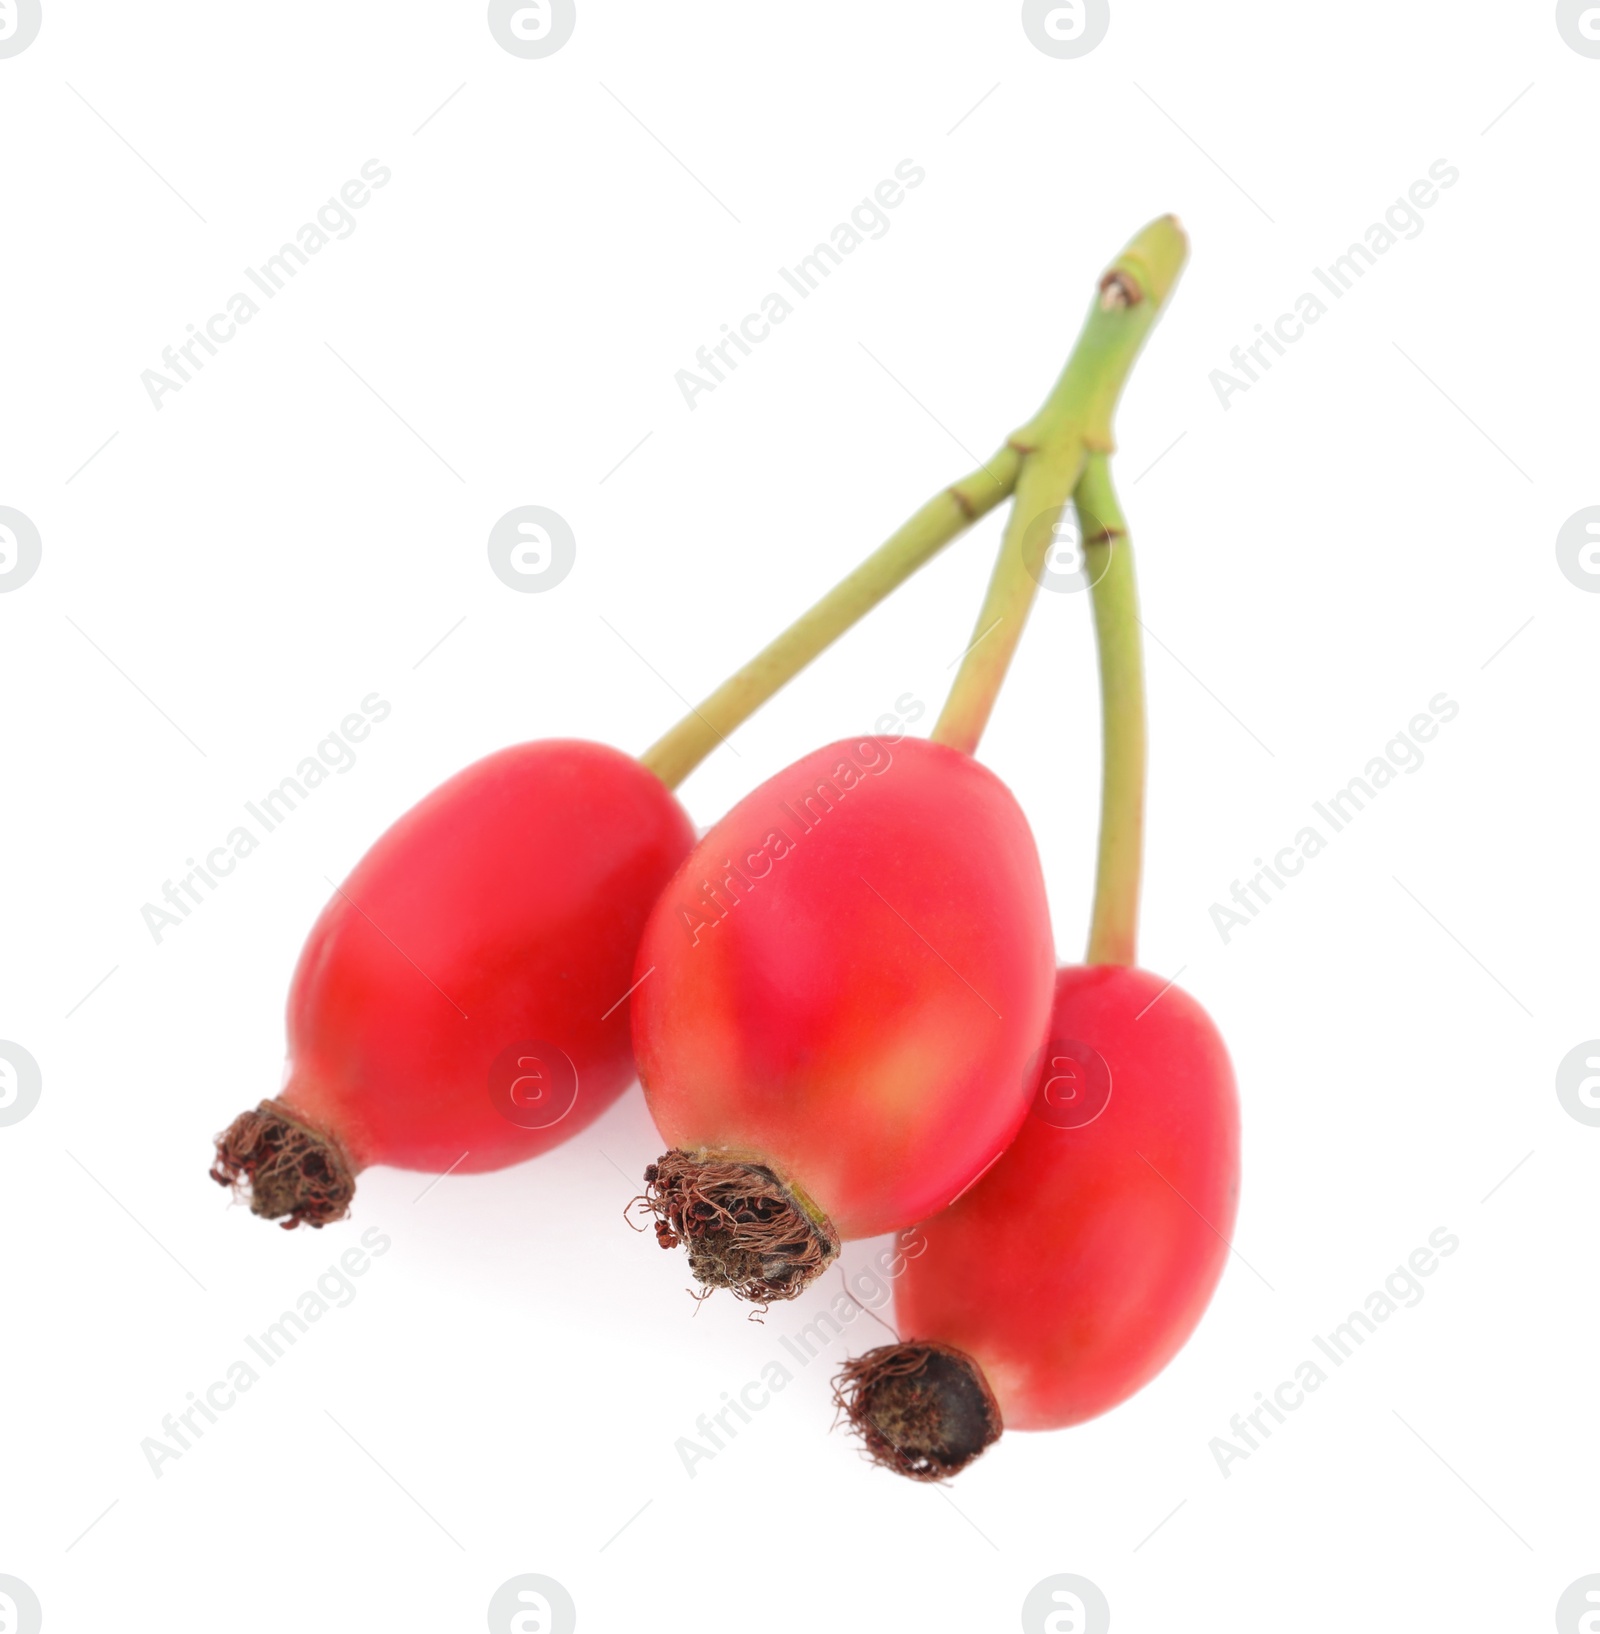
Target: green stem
x,y
1073,425
1114,923
945,516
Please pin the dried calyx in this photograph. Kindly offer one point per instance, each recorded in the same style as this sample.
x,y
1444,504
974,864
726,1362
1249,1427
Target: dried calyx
x,y
289,1171
1119,289
743,1228
924,1411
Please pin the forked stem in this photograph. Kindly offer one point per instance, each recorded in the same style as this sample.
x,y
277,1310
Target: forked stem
x,y
1055,445
942,519
1047,454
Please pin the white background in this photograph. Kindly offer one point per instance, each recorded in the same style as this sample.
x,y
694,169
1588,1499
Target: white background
x,y
1365,528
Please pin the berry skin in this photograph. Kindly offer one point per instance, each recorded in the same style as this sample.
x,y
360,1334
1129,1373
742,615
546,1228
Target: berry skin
x,y
1075,1270
844,992
502,910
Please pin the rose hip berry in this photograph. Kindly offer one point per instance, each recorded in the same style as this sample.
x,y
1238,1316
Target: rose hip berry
x,y
1075,1270
841,1006
460,1002
482,948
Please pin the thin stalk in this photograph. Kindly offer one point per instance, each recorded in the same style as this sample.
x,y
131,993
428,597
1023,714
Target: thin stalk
x,y
945,516
1114,922
1073,425
1046,483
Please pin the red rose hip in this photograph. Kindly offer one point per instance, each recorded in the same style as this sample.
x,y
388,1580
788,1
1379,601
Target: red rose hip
x,y
462,1002
458,1004
1075,1270
844,992
842,1000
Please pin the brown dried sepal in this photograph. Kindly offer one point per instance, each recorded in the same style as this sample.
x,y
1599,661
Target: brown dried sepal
x,y
289,1171
1119,289
743,1228
924,1411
